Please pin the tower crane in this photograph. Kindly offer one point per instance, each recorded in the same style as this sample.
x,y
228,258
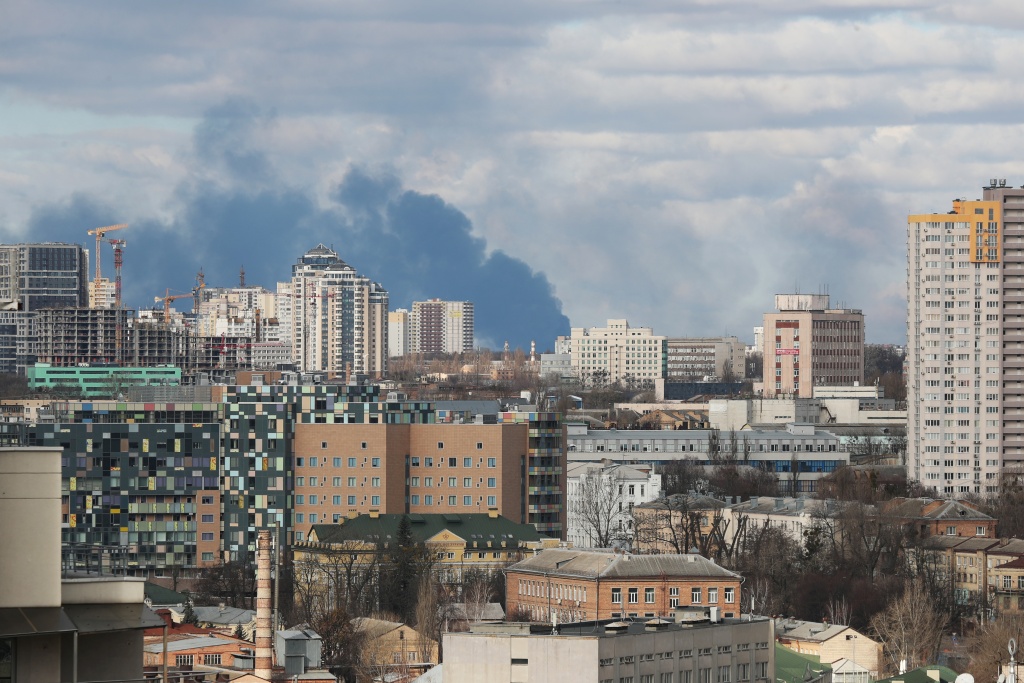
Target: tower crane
x,y
167,298
118,246
100,232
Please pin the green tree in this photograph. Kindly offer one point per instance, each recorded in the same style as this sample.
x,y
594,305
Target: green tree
x,y
406,562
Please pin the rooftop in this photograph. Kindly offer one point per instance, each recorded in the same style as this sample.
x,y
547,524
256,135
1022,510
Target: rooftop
x,y
472,527
596,563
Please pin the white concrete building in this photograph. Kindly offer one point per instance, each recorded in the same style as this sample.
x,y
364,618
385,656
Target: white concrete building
x,y
556,365
965,343
606,494
618,353
398,333
798,455
658,650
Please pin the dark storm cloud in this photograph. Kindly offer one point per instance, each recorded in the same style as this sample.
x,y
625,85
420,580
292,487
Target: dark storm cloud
x,y
416,245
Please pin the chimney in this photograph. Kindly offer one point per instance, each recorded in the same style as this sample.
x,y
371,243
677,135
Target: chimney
x,y
264,654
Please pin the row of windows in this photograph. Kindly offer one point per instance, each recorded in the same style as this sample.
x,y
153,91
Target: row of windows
x,y
452,462
696,593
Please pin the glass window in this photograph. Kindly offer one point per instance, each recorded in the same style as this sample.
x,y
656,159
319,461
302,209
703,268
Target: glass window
x,y
374,500
312,462
351,500
351,462
730,595
453,500
634,595
649,595
712,595
467,462
695,596
492,462
336,462
415,500
416,462
375,462
467,500
617,596
492,501
467,483
492,483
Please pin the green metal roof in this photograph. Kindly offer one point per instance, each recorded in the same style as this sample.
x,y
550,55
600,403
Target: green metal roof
x,y
920,675
158,595
475,528
793,667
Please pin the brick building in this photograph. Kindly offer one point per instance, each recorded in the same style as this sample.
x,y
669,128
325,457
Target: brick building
x,y
576,585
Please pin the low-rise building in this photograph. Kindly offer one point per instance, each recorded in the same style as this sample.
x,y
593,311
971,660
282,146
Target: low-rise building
x,y
832,643
657,650
576,585
393,651
600,500
186,650
679,523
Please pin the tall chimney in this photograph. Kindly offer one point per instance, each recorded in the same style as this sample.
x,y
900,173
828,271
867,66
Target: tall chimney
x,y
264,652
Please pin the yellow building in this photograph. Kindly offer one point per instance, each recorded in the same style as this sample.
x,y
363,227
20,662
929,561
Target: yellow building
x,y
393,651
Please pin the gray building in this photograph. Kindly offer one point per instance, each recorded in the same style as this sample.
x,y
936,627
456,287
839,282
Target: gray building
x,y
696,648
50,275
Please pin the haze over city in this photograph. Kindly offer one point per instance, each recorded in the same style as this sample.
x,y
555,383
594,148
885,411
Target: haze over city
x,y
676,164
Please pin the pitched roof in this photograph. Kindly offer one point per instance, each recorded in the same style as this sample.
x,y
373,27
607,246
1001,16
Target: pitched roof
x,y
594,563
474,528
917,508
375,628
226,615
921,675
158,595
792,666
813,631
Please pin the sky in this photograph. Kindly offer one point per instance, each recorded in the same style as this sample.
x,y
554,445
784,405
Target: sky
x,y
557,163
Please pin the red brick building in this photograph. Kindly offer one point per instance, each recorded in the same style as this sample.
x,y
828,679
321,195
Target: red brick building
x,y
576,585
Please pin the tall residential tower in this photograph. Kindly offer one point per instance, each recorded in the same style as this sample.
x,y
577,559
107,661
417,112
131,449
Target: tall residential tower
x,y
965,342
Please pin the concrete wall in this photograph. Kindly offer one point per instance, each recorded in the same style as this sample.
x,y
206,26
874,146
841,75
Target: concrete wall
x,y
30,532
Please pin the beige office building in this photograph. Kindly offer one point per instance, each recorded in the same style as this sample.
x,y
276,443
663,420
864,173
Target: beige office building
x,y
965,342
809,343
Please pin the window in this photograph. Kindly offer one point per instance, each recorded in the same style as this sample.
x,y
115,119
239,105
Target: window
x,y
363,445
695,596
416,462
453,481
312,518
951,531
300,517
207,557
335,481
351,462
351,500
467,462
467,500
742,672
313,481
428,462
730,595
207,536
207,500
375,482
300,481
761,669
467,482
492,483
673,597
312,462
616,596
415,500
374,500
336,462
649,595
712,595
374,462
351,481
183,660
453,500
428,500
980,531
492,501
335,500
724,674
479,445
208,518
440,445
634,596
299,462
492,462
312,500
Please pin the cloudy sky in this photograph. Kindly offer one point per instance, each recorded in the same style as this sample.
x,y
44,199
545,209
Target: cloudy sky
x,y
673,163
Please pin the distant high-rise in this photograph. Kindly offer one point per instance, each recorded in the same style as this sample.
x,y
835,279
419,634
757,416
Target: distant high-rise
x,y
807,343
338,318
50,275
398,333
437,326
965,343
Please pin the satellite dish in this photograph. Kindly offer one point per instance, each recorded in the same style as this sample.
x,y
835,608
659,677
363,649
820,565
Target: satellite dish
x,y
964,678
1011,647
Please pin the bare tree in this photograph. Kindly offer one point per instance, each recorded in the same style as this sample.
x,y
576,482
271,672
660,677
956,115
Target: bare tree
x,y
987,647
910,628
597,507
838,611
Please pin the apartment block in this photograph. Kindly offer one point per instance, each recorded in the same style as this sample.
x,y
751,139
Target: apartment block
x,y
809,343
633,356
437,326
50,275
145,477
338,318
610,491
965,333
398,333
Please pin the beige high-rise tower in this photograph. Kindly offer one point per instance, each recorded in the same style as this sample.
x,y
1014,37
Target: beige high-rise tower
x,y
965,343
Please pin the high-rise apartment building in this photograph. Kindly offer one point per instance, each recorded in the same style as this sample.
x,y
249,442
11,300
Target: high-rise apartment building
x,y
437,326
965,342
50,275
338,317
398,333
617,353
808,343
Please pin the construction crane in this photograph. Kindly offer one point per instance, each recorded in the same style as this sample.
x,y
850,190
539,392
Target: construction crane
x,y
100,232
167,298
197,291
118,246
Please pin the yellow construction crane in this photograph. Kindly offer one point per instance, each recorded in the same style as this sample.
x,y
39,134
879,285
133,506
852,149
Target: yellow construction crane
x,y
100,232
167,299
